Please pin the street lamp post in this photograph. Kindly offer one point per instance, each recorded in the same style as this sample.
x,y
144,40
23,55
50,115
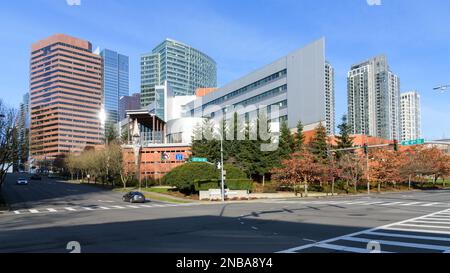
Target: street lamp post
x,y
221,167
442,88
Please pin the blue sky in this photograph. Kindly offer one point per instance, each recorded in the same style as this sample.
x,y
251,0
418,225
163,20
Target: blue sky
x,y
243,35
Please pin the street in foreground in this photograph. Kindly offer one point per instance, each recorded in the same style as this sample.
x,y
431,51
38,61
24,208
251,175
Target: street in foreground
x,y
46,215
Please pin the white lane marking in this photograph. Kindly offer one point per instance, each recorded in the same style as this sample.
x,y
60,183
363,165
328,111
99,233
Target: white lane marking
x,y
117,207
401,244
388,226
87,208
430,204
70,209
16,212
399,235
52,210
254,228
391,203
34,211
354,203
373,203
344,248
105,208
133,207
411,204
146,206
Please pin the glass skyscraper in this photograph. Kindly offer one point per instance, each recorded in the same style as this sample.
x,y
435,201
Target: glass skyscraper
x,y
184,68
115,83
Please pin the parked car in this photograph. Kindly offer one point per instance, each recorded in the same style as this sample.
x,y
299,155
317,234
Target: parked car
x,y
22,181
134,197
36,177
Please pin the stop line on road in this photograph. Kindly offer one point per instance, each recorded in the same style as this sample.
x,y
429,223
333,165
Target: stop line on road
x,y
96,208
429,233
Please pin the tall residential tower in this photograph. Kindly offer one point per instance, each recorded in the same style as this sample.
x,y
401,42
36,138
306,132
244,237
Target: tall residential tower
x,y
410,116
184,68
65,96
374,99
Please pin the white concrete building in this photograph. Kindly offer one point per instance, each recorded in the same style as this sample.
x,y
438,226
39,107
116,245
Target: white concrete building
x,y
410,116
374,99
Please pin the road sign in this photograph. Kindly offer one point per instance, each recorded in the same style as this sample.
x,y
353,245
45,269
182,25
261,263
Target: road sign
x,y
179,157
199,159
413,142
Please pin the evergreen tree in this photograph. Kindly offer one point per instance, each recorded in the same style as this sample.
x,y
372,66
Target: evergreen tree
x,y
344,140
286,147
300,138
318,145
203,142
254,161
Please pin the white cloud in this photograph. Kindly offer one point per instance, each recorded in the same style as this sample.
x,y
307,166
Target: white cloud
x,y
73,2
374,2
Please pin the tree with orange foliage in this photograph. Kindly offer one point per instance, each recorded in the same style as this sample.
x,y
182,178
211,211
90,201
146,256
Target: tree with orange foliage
x,y
301,169
386,166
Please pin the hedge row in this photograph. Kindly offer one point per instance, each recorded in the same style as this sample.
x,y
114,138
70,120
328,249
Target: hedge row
x,y
232,184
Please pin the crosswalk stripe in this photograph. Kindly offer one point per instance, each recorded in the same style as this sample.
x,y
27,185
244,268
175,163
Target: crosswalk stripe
x,y
34,211
345,248
52,210
399,235
70,209
401,244
422,230
428,226
146,206
430,222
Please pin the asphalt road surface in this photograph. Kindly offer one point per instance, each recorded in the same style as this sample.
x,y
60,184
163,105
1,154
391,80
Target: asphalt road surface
x,y
46,215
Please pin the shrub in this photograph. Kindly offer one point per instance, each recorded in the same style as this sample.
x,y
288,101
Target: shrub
x,y
183,176
193,177
239,184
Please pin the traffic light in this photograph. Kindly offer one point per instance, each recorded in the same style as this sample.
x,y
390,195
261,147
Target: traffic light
x,y
366,148
396,145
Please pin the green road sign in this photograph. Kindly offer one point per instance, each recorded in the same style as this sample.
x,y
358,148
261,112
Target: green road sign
x,y
413,142
199,159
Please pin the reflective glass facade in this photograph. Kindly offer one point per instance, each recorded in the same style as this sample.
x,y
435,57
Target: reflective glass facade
x,y
115,83
183,67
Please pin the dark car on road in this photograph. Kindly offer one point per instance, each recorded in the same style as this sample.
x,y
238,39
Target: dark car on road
x,y
134,197
22,181
36,177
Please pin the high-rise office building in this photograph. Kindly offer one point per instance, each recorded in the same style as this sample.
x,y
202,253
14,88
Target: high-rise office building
x,y
410,116
132,102
23,126
116,84
65,96
374,99
329,98
184,68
